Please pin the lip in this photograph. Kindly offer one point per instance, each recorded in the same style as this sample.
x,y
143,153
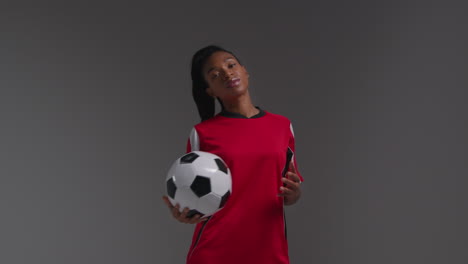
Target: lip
x,y
234,82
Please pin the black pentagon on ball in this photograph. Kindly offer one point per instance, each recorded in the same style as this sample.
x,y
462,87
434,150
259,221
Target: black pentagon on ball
x,y
224,199
189,158
171,188
221,166
201,186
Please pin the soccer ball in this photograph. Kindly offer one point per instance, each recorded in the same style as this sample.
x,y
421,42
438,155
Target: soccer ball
x,y
200,181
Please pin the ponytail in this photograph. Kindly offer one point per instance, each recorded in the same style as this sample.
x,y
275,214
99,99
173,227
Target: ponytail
x,y
205,103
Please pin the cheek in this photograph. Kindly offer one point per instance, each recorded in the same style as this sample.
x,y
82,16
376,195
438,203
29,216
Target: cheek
x,y
246,81
216,87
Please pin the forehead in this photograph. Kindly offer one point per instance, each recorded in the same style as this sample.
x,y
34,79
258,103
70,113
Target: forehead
x,y
218,58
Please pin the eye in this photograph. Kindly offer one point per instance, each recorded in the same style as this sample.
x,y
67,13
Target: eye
x,y
215,75
231,65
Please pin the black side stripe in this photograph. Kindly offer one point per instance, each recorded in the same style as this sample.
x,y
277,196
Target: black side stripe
x,y
289,156
200,232
285,227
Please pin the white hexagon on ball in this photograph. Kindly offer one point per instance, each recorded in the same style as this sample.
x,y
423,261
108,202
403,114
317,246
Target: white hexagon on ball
x,y
186,198
209,204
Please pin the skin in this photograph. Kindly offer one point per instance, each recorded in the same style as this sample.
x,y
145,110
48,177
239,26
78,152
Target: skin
x,y
292,191
228,80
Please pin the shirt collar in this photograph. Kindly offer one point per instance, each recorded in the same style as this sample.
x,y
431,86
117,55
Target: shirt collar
x,y
237,115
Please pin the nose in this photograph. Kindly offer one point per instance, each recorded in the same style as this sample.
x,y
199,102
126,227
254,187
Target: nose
x,y
227,74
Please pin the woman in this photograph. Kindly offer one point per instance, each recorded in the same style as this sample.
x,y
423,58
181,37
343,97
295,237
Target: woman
x,y
258,147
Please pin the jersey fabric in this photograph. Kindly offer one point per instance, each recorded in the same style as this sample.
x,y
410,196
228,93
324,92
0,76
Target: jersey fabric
x,y
251,227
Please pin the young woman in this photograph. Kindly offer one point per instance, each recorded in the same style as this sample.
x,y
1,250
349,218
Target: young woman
x,y
258,147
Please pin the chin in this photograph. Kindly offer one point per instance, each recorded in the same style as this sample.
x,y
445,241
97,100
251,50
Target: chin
x,y
240,90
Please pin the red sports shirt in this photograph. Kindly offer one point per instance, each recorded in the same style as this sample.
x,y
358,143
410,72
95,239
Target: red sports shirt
x,y
251,227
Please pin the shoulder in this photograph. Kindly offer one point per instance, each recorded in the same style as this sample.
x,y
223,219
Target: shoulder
x,y
278,118
207,124
282,121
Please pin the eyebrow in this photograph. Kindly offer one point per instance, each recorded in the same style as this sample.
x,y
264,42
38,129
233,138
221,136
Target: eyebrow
x,y
228,58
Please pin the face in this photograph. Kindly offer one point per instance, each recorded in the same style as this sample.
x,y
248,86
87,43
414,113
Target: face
x,y
225,76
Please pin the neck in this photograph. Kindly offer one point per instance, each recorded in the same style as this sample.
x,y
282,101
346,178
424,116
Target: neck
x,y
242,105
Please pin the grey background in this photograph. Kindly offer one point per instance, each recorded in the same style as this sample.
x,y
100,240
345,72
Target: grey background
x,y
95,105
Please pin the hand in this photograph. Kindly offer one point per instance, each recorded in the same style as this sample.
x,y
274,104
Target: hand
x,y
292,191
182,216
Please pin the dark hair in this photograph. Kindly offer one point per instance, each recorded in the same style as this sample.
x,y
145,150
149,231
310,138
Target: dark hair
x,y
204,102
